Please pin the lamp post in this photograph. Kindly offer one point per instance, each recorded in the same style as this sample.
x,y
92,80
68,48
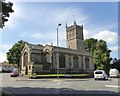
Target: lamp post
x,y
19,62
69,61
57,51
82,63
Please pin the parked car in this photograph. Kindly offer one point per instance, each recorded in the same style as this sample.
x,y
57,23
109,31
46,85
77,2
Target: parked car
x,y
100,74
14,73
114,73
15,69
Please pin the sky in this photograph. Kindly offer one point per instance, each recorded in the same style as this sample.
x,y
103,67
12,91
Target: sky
x,y
36,23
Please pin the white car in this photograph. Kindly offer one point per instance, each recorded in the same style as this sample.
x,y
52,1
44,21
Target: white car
x,y
100,74
114,73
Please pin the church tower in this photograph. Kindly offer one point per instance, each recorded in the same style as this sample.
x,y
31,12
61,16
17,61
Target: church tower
x,y
74,35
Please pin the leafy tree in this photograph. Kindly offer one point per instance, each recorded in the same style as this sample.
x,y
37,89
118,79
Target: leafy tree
x,y
100,53
103,55
90,44
115,61
116,64
13,56
5,12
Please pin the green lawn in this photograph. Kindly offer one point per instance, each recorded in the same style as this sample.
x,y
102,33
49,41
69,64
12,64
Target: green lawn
x,y
61,75
80,74
50,75
2,94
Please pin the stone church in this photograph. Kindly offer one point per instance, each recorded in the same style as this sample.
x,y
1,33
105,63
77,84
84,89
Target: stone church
x,y
41,59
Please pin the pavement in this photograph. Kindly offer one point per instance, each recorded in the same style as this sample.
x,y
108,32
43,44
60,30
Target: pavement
x,y
23,85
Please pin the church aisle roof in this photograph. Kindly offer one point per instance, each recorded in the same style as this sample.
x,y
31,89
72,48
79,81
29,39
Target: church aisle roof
x,y
37,48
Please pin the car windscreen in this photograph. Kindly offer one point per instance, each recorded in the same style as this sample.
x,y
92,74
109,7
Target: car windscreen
x,y
98,72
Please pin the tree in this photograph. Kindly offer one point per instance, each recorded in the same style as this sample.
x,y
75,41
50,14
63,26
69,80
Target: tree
x,y
116,64
90,44
100,53
13,56
103,56
5,12
115,61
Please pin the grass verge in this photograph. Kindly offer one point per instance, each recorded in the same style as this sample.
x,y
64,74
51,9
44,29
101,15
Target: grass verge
x,y
3,94
61,76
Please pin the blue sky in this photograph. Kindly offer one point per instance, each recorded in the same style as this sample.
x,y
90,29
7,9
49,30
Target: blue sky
x,y
36,22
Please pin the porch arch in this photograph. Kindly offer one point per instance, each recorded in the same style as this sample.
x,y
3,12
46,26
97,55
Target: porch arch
x,y
25,59
47,57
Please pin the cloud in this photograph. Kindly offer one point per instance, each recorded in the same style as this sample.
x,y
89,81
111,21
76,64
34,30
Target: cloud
x,y
2,57
40,24
47,37
109,36
86,34
115,51
14,19
47,23
67,15
3,49
36,35
108,25
64,1
52,17
0,36
5,46
114,48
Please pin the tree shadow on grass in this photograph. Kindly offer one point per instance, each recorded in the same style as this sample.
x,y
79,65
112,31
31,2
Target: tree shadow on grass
x,y
31,91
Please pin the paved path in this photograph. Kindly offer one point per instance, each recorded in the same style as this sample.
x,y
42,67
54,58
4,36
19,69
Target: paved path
x,y
58,86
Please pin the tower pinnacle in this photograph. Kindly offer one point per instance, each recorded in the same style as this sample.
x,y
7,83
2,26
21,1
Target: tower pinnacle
x,y
66,24
75,22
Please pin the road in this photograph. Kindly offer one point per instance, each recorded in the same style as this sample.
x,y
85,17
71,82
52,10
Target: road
x,y
22,85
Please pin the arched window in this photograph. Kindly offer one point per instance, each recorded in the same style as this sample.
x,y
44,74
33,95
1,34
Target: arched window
x,y
87,62
75,62
47,58
62,61
25,58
